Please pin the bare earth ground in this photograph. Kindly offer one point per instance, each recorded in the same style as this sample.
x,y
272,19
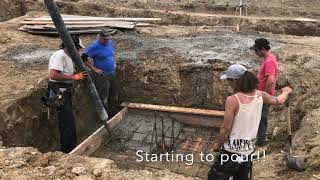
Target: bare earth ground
x,y
298,59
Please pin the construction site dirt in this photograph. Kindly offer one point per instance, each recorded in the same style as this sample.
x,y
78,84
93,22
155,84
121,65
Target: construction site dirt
x,y
173,63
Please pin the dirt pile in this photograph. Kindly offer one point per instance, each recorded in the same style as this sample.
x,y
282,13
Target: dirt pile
x,y
281,22
300,68
29,163
255,7
14,8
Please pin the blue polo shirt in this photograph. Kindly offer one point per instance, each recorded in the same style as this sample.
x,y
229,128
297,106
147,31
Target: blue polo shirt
x,y
103,56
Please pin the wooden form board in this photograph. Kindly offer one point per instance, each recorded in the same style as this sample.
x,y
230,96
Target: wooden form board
x,y
174,109
95,140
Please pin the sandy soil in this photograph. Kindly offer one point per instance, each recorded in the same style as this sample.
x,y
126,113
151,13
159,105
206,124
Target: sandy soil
x,y
29,163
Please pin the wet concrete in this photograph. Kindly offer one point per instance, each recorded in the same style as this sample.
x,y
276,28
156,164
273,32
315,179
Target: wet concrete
x,y
229,47
29,55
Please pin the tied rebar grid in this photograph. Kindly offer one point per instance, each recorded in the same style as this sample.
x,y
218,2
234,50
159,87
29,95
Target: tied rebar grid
x,y
160,134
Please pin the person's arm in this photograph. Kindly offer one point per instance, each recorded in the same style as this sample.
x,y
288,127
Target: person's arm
x,y
229,114
89,63
271,79
59,76
281,99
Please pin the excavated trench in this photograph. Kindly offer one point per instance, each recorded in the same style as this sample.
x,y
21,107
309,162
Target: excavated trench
x,y
179,70
151,70
156,140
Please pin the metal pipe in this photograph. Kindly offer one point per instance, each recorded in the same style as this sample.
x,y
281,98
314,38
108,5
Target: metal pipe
x,y
74,54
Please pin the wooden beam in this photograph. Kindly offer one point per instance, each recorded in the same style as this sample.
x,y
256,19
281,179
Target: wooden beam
x,y
66,22
174,109
94,19
118,118
54,32
117,24
95,140
38,27
142,24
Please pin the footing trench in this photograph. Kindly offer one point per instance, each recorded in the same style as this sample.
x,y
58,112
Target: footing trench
x,y
153,137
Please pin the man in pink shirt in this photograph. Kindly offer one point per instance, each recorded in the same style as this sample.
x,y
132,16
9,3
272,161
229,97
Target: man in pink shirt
x,y
267,77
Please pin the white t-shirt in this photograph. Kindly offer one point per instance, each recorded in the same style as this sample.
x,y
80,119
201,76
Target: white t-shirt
x,y
61,61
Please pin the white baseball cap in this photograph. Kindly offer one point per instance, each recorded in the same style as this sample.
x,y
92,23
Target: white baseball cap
x,y
235,71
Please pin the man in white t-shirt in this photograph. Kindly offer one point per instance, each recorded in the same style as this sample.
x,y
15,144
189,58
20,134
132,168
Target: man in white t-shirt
x,y
61,76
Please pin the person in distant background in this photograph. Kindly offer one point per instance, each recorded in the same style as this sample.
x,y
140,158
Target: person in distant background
x,y
104,66
267,77
61,77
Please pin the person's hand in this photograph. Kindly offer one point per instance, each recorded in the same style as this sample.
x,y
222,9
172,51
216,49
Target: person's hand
x,y
216,147
98,71
286,90
79,76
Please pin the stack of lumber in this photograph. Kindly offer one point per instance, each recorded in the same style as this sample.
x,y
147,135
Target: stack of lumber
x,y
82,24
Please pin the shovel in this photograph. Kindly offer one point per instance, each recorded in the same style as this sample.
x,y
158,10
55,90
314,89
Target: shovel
x,y
291,161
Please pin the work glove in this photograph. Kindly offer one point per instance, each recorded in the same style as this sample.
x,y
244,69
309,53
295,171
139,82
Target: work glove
x,y
80,76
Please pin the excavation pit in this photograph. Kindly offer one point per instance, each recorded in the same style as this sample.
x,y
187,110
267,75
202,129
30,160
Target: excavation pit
x,y
153,137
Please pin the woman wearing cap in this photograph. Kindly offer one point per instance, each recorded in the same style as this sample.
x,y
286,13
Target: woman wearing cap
x,y
239,129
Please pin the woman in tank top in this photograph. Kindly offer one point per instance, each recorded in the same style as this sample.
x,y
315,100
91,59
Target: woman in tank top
x,y
236,141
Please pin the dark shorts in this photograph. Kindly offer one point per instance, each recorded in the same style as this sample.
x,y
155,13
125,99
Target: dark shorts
x,y
223,170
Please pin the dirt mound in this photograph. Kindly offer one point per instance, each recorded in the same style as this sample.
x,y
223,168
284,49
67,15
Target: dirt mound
x,y
29,163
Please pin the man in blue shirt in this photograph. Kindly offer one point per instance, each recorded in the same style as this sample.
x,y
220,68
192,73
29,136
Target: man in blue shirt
x,y
104,64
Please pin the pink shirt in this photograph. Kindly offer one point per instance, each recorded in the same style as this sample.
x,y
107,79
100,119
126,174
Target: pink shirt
x,y
269,67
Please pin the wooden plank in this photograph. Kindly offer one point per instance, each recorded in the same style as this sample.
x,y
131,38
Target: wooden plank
x,y
305,20
117,24
66,22
117,118
95,140
142,24
38,27
94,19
55,33
174,109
